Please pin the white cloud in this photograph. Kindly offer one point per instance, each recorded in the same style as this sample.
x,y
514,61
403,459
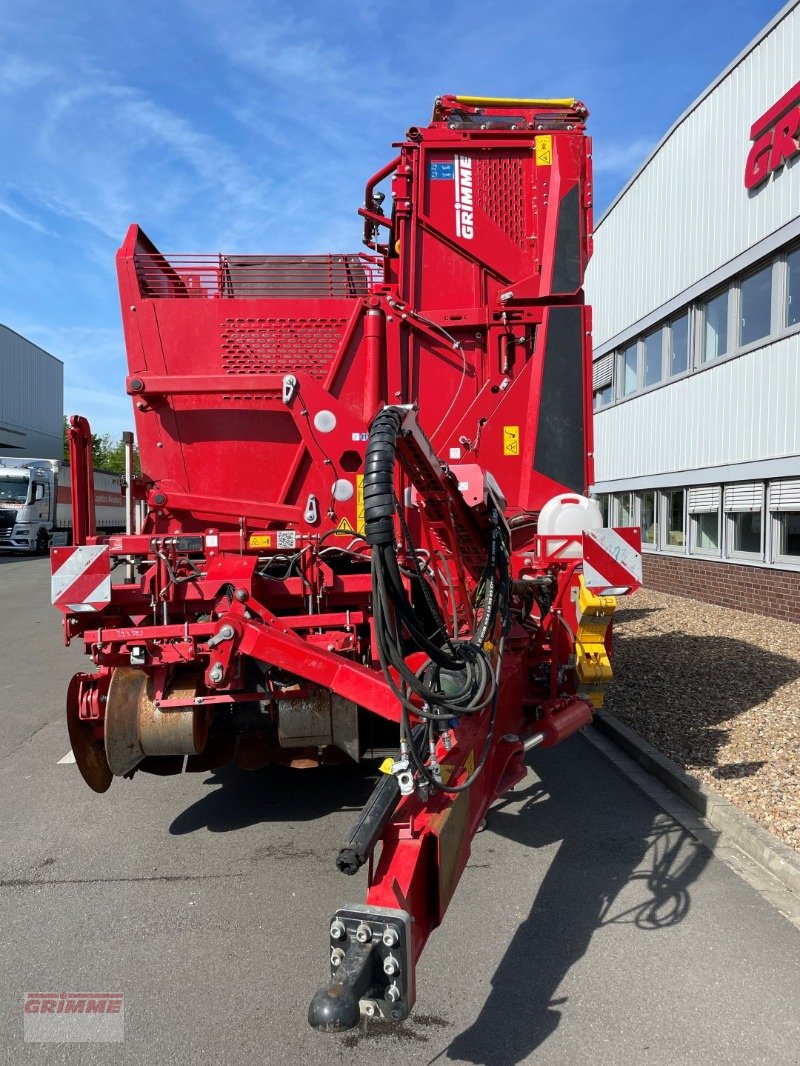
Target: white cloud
x,y
25,220
19,74
620,157
107,412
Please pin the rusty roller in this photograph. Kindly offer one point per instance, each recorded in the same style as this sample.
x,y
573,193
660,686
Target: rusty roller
x,y
137,726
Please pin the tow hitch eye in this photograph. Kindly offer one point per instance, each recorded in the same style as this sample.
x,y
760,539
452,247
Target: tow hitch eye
x,y
372,969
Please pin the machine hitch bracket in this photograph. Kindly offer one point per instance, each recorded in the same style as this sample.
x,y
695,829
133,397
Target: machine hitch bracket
x,y
372,969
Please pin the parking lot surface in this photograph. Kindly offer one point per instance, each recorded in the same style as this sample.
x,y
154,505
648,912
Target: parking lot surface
x,y
589,927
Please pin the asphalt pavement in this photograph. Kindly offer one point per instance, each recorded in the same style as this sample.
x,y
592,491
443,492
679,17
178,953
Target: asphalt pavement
x,y
589,926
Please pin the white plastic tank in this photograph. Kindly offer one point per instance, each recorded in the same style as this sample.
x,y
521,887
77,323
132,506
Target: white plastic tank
x,y
568,515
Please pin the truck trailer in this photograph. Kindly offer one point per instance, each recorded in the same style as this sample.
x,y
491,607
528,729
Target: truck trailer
x,y
36,504
367,521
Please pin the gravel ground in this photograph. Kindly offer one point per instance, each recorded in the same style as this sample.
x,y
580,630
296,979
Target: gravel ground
x,y
718,691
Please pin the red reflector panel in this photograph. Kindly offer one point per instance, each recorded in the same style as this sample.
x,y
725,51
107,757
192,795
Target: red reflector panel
x,y
81,578
612,561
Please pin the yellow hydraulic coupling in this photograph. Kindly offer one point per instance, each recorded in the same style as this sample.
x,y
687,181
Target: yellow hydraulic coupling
x,y
592,665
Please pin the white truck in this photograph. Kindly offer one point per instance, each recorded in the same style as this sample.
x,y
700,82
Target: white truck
x,y
36,504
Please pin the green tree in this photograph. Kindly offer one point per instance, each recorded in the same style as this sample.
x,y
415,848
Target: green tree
x,y
107,454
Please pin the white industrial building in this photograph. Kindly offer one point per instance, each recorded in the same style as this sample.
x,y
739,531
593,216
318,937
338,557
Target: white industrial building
x,y
31,398
695,285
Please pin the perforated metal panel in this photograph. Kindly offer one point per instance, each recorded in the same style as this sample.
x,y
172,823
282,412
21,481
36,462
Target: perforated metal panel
x,y
280,346
499,191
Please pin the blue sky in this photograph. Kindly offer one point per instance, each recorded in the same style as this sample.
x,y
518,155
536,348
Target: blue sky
x,y
251,126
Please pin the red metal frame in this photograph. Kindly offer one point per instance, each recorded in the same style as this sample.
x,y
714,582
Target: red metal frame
x,y
254,381
81,461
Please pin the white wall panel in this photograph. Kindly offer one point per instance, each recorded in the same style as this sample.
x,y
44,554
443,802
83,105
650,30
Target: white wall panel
x,y
740,410
687,212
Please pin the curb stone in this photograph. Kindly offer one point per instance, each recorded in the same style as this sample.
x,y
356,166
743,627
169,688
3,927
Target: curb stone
x,y
772,854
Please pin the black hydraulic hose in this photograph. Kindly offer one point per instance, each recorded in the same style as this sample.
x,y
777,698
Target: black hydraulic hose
x,y
458,677
375,816
419,763
490,600
379,509
379,477
386,560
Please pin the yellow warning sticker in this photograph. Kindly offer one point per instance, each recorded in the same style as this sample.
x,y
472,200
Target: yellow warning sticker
x,y
360,503
469,765
544,150
386,766
260,540
446,771
510,440
344,529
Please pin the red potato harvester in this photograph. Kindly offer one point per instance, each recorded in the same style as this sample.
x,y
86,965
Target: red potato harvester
x,y
364,524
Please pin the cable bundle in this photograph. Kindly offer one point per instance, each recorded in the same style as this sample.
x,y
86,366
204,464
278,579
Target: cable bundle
x,y
458,677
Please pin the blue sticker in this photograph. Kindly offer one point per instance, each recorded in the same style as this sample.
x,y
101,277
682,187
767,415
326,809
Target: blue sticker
x,y
442,171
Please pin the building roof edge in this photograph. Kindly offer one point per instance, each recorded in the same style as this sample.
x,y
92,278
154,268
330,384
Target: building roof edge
x,y
44,351
759,37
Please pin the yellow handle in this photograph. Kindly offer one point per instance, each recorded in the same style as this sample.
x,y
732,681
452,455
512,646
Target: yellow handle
x,y
504,101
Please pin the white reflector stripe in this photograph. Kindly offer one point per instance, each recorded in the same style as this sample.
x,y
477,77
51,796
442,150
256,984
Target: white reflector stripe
x,y
83,579
610,561
73,566
102,594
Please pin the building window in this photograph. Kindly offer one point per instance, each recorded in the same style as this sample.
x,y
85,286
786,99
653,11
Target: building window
x,y
743,505
679,345
647,519
624,509
629,367
715,322
733,318
784,505
604,396
788,546
755,292
653,358
603,380
674,523
706,532
793,288
704,520
745,533
602,503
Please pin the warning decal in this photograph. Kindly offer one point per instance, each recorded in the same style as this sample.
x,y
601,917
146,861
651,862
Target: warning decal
x,y
260,540
510,440
81,578
360,502
544,150
344,529
469,764
612,560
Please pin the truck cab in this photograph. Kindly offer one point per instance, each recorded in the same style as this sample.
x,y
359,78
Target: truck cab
x,y
28,491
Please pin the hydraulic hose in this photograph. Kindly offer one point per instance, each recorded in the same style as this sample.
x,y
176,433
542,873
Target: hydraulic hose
x,y
459,678
379,500
375,816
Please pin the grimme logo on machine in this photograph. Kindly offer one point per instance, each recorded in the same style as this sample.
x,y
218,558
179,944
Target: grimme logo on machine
x,y
464,221
775,137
